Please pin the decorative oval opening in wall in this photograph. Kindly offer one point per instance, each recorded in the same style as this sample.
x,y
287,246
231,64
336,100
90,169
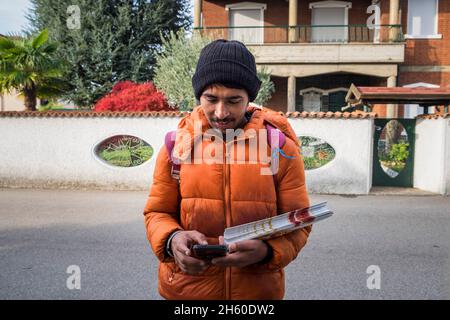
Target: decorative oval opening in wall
x,y
124,151
316,152
393,148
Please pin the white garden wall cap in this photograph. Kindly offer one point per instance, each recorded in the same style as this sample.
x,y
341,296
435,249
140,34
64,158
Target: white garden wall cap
x,y
434,116
332,115
91,114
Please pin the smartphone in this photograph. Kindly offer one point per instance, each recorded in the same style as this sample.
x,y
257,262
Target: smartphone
x,y
208,252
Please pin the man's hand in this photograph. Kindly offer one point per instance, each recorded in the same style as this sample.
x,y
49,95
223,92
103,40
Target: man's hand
x,y
242,253
180,245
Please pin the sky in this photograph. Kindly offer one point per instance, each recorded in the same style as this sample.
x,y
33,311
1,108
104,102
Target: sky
x,y
12,15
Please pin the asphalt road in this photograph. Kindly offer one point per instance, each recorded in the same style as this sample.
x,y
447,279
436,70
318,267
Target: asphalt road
x,y
43,232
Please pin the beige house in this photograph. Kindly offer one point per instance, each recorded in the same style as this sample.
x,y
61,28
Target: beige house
x,y
316,49
11,102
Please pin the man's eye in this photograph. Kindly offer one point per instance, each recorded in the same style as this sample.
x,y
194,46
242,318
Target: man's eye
x,y
234,101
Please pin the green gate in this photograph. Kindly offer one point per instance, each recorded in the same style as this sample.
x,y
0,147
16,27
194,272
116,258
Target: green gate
x,y
393,152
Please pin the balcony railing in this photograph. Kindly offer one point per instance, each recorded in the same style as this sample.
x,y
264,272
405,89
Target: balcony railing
x,y
307,34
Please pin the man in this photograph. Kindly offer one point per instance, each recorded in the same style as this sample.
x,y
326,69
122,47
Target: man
x,y
209,197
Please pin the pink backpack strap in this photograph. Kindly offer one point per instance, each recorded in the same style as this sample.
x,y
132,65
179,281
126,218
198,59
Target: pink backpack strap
x,y
281,142
281,136
169,142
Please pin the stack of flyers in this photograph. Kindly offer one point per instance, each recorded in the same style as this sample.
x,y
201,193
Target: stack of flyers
x,y
278,225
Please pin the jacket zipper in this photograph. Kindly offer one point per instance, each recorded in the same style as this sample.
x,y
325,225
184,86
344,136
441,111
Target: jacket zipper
x,y
227,197
227,212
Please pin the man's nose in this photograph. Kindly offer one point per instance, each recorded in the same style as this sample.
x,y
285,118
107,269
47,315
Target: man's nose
x,y
221,110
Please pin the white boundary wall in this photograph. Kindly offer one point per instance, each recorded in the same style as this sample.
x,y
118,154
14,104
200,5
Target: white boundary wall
x,y
44,152
432,155
351,170
58,152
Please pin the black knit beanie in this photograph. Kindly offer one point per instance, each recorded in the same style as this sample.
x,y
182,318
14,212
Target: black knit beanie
x,y
228,63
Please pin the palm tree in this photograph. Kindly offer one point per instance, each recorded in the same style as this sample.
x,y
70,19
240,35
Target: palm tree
x,y
30,66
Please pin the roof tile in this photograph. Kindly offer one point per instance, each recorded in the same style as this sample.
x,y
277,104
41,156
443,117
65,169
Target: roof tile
x,y
403,90
154,114
434,116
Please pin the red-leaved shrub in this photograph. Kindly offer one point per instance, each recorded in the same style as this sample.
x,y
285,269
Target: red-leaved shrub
x,y
130,96
122,85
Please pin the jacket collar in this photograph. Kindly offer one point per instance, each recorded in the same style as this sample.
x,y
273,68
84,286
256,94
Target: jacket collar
x,y
193,127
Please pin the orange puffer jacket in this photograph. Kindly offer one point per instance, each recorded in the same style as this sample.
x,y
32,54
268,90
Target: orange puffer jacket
x,y
211,197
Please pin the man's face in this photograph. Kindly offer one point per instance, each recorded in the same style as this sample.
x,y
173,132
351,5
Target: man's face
x,y
224,107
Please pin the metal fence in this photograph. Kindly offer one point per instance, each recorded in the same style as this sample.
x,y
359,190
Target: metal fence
x,y
307,34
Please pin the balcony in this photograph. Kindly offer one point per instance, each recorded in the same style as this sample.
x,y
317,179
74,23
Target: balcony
x,y
317,43
307,34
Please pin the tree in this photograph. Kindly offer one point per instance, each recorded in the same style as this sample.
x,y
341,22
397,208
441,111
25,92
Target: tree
x,y
267,87
106,41
176,64
29,66
393,132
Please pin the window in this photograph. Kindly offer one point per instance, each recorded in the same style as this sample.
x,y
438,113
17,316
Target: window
x,y
244,15
312,99
337,100
329,13
376,31
245,18
422,19
413,110
316,99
